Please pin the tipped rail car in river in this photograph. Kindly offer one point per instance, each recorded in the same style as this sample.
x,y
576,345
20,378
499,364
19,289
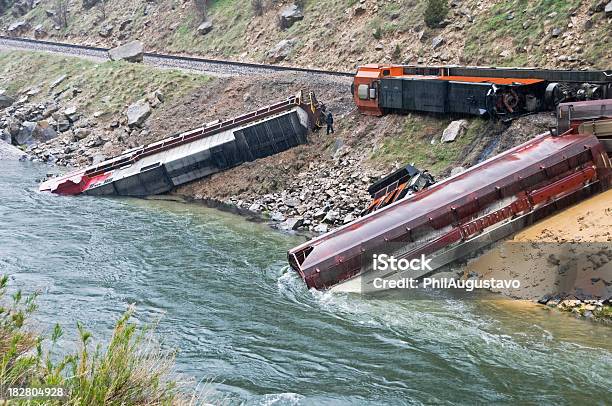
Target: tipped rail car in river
x,y
160,167
459,216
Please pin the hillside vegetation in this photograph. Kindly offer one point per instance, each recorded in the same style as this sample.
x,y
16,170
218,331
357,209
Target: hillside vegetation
x,y
340,33
95,87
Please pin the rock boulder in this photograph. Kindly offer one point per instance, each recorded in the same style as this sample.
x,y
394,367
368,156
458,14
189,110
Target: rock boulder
x,y
292,223
131,52
24,137
437,42
106,30
598,6
290,15
43,132
277,216
22,7
281,51
9,152
18,27
87,4
6,101
5,136
321,228
205,27
39,31
455,129
138,113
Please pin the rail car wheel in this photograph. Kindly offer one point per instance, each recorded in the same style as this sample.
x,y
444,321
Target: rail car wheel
x,y
553,95
510,101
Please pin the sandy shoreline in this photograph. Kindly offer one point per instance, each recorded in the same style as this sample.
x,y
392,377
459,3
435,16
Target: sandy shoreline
x,y
568,253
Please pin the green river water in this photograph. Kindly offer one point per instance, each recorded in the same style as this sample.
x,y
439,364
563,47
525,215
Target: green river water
x,y
226,299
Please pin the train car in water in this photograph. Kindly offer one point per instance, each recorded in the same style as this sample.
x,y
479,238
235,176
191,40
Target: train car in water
x,y
160,167
380,89
458,216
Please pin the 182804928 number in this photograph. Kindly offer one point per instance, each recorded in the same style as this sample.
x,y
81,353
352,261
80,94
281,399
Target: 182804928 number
x,y
20,392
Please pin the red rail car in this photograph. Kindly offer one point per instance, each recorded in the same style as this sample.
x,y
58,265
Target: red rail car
x,y
468,211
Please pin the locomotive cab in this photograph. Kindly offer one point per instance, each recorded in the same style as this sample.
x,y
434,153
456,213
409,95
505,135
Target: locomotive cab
x,y
367,89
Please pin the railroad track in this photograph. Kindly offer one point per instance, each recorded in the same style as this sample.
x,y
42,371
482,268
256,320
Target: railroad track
x,y
215,66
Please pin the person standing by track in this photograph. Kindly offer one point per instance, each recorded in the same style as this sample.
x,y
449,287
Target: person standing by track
x,y
330,123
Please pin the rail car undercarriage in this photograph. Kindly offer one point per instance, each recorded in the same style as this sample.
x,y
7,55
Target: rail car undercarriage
x,y
497,92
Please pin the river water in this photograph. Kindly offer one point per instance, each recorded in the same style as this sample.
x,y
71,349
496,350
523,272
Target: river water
x,y
224,297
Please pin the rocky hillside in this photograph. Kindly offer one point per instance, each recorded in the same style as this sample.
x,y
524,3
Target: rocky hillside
x,y
336,34
74,112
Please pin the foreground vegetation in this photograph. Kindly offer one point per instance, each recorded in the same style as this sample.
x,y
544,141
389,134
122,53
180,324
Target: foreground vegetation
x,y
132,369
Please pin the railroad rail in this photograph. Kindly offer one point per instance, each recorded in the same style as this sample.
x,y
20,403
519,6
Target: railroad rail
x,y
157,59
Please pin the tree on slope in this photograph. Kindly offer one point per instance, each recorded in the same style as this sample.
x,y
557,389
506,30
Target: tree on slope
x,y
435,12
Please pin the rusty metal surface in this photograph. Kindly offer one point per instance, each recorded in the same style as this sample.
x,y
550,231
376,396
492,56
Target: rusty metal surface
x,y
335,256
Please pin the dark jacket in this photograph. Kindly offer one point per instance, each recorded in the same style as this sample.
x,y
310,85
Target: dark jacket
x,y
329,119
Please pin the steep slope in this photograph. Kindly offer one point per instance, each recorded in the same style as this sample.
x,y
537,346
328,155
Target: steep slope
x,y
332,171
341,34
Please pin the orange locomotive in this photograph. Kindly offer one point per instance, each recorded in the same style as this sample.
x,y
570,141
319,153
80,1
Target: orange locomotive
x,y
381,89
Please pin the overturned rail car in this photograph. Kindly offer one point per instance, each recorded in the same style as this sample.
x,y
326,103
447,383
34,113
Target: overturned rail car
x,y
468,211
381,89
159,167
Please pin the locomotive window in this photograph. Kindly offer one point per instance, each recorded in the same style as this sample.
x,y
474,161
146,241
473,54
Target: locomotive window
x,y
362,92
386,72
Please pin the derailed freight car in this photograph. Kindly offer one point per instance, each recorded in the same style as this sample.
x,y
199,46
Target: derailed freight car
x,y
469,211
381,89
160,167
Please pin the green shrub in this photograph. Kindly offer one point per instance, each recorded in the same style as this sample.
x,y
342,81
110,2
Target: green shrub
x,y
132,369
17,359
435,12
